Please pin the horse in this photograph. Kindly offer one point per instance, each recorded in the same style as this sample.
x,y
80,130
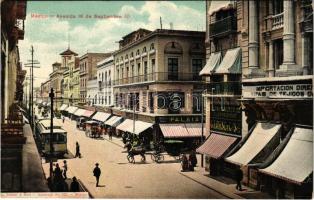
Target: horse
x,y
133,152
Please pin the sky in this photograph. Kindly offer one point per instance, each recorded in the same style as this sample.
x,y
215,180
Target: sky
x,y
51,26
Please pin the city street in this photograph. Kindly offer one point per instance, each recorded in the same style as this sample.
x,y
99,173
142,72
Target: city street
x,y
120,179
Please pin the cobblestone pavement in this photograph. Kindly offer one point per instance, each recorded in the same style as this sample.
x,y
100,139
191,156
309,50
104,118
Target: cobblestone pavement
x,y
119,178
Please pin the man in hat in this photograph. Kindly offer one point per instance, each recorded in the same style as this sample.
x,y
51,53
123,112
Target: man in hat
x,y
97,173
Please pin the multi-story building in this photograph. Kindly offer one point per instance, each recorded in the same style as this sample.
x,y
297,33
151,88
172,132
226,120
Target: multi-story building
x,y
157,74
12,30
223,87
67,57
88,71
73,81
275,41
56,78
105,75
92,93
277,83
45,90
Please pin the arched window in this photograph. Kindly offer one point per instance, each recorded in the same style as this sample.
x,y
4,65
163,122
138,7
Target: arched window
x,y
126,56
106,77
132,55
152,47
102,76
138,52
144,50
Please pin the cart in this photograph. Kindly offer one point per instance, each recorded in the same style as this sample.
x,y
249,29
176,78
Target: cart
x,y
92,129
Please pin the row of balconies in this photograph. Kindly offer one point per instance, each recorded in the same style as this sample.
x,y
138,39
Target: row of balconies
x,y
159,76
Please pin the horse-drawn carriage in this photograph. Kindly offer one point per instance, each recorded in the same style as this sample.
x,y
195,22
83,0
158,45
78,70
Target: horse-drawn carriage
x,y
93,129
133,151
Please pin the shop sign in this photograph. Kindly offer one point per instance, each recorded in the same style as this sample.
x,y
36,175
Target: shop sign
x,y
179,119
279,91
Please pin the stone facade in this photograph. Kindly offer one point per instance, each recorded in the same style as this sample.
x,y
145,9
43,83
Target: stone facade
x,y
88,71
157,69
105,77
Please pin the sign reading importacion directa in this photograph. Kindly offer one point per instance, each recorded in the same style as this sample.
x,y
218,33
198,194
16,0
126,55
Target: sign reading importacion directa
x,y
279,91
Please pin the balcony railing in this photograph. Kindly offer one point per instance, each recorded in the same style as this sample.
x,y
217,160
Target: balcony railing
x,y
224,88
277,21
223,26
159,76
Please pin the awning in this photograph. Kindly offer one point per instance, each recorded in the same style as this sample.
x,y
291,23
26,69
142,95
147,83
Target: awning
x,y
262,134
140,126
113,121
212,63
72,109
231,63
101,116
216,145
295,162
88,113
79,112
215,6
194,129
174,131
63,107
126,125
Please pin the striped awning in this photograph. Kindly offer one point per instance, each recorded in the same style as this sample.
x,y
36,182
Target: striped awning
x,y
216,145
194,129
63,107
113,121
295,162
262,134
174,130
212,63
231,63
88,113
101,116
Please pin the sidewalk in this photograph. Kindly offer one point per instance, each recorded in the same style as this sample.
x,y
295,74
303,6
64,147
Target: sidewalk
x,y
224,185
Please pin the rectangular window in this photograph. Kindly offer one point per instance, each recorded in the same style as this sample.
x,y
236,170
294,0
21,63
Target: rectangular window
x,y
145,70
278,53
173,69
197,65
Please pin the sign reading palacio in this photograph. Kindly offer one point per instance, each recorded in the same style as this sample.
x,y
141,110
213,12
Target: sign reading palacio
x,y
279,91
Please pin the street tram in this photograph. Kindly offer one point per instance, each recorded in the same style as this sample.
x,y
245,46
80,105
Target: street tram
x,y
59,137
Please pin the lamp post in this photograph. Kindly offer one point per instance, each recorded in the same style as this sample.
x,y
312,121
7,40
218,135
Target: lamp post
x,y
202,138
51,95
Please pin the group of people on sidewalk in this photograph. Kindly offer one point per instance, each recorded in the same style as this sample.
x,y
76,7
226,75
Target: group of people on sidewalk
x,y
188,163
58,183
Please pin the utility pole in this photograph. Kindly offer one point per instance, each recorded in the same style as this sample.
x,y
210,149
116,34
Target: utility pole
x,y
31,100
133,119
51,95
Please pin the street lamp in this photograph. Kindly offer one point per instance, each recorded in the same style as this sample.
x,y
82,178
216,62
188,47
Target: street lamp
x,y
202,138
51,95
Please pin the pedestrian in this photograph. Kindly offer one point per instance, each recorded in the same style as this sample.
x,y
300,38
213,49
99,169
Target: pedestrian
x,y
97,173
110,133
184,163
239,177
193,158
74,187
63,119
57,173
191,163
77,150
65,169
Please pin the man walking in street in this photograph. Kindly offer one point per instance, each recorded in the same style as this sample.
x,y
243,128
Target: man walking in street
x,y
74,187
239,177
97,173
77,150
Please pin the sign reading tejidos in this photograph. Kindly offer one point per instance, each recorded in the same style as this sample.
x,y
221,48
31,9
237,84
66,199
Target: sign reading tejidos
x,y
279,91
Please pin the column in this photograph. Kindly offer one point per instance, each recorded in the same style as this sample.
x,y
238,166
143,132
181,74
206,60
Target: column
x,y
253,35
288,33
305,54
271,59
